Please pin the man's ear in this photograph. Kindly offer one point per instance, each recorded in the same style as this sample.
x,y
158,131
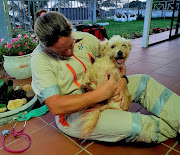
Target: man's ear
x,y
102,46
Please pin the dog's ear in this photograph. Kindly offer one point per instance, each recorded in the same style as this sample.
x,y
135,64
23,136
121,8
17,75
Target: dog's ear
x,y
129,45
102,46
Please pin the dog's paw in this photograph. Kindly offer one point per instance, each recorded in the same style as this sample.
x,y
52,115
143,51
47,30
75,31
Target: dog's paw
x,y
86,88
127,103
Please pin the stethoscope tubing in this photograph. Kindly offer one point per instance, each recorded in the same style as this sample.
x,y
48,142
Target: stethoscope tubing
x,y
16,134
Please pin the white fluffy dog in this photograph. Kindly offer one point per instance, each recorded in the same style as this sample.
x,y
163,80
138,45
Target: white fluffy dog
x,y
113,54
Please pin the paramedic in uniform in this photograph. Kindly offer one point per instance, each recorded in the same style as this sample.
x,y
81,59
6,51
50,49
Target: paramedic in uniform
x,y
58,64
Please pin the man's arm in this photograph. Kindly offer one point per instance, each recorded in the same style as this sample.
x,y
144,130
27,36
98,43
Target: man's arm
x,y
65,104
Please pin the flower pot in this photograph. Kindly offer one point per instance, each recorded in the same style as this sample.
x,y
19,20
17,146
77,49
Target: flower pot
x,y
18,67
131,18
122,19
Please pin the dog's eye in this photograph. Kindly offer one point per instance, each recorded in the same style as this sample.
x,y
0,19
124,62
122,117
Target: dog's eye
x,y
124,45
113,46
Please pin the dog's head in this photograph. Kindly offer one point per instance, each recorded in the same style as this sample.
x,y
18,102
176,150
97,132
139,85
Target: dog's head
x,y
117,48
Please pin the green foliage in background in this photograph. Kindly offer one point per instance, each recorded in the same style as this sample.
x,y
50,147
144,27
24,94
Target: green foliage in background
x,y
129,28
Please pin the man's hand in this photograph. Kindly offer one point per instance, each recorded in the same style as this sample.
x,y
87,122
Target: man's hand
x,y
108,86
120,92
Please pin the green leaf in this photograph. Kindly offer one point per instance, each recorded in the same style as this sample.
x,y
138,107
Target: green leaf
x,y
1,82
2,105
9,89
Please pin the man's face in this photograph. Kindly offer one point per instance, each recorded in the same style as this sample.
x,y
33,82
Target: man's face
x,y
64,46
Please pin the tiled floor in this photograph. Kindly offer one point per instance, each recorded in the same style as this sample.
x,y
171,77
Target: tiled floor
x,y
160,61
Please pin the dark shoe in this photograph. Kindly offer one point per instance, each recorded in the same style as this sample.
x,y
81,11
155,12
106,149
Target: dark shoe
x,y
178,138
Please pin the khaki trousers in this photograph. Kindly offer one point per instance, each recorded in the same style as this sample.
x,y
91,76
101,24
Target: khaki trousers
x,y
115,125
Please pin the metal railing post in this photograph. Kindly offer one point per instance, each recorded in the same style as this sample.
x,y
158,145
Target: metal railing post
x,y
94,12
5,27
147,23
165,10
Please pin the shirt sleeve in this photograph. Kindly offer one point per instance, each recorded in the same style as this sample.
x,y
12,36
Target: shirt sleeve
x,y
44,81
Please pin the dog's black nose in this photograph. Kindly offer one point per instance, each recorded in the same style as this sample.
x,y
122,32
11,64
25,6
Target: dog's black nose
x,y
120,54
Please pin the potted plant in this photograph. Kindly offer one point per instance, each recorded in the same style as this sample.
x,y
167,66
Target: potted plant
x,y
14,100
132,17
16,55
120,17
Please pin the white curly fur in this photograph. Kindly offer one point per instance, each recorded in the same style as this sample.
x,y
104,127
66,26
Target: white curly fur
x,y
107,63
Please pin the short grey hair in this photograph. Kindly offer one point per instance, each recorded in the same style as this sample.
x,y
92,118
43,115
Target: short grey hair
x,y
50,26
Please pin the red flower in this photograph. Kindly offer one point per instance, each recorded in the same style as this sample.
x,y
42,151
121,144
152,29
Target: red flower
x,y
9,46
18,45
25,36
20,53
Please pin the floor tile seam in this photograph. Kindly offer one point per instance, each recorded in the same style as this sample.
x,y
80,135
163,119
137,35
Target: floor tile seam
x,y
166,145
85,151
88,145
146,62
140,59
174,84
140,52
175,46
159,52
79,152
166,58
24,136
171,148
165,75
175,146
169,151
168,76
131,64
153,63
88,152
151,71
13,142
175,150
67,137
166,48
38,129
160,68
43,120
85,148
52,122
160,64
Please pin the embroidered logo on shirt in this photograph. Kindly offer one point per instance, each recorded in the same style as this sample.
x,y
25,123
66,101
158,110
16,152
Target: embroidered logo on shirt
x,y
79,43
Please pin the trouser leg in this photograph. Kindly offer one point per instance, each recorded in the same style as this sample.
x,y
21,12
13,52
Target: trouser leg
x,y
115,125
156,98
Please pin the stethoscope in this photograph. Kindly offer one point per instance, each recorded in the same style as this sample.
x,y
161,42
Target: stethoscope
x,y
6,132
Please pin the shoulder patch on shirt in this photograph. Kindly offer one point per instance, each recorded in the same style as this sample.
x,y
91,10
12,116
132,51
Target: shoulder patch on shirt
x,y
78,40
